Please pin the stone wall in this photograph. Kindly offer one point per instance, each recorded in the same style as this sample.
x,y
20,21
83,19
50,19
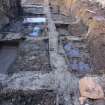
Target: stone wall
x,y
92,14
9,9
62,5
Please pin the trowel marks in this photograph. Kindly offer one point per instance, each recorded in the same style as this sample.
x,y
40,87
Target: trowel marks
x,y
7,57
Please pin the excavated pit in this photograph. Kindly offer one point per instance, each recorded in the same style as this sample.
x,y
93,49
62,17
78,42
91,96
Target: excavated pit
x,y
19,97
7,57
8,54
75,48
33,51
32,56
77,53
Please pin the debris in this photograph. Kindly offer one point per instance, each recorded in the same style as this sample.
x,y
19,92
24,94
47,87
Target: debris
x,y
33,56
7,57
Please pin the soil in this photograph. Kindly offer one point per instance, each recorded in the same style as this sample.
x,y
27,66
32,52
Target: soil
x,y
45,70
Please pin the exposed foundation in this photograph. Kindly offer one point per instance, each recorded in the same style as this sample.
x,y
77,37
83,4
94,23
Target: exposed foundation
x,y
48,48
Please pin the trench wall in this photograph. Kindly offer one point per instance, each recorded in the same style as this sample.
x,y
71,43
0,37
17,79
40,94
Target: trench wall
x,y
9,9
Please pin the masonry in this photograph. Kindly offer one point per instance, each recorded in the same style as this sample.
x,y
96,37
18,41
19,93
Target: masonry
x,y
8,10
46,50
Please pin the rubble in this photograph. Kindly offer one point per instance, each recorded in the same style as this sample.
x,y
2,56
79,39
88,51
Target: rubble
x,y
7,57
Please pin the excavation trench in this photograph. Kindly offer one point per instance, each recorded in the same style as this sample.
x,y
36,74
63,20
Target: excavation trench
x,y
30,32
32,56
